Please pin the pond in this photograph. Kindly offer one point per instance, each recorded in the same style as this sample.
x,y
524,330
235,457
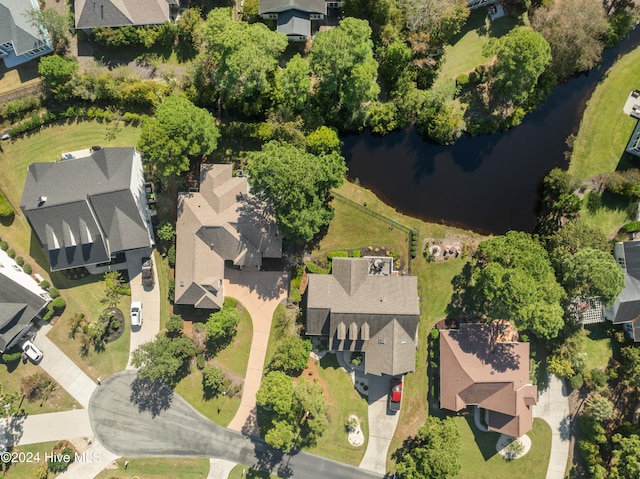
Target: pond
x,y
487,183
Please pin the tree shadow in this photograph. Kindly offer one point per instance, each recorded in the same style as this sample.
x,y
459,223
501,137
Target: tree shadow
x,y
12,430
565,428
151,396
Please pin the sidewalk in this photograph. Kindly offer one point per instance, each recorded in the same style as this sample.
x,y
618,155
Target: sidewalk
x,y
260,293
150,298
91,462
63,370
54,426
553,407
220,468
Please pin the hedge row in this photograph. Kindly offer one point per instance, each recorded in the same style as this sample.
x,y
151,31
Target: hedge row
x,y
632,227
5,208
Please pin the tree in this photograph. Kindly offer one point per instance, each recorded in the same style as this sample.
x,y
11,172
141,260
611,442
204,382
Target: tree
x,y
575,30
573,236
311,406
630,370
293,86
323,141
36,386
513,278
299,186
434,452
345,71
213,380
281,435
166,231
175,325
7,403
522,56
163,359
600,408
440,19
114,288
57,73
625,453
57,25
291,356
222,325
179,130
276,393
593,273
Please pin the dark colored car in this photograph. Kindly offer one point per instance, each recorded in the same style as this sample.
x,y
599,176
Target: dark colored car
x,y
147,272
395,394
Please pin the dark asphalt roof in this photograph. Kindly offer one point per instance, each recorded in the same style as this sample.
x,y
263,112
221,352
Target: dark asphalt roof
x,y
276,6
18,306
294,22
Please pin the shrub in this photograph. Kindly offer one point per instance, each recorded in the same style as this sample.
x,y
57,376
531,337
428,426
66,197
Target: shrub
x,y
312,268
524,338
58,304
172,290
576,381
166,231
61,460
200,360
462,79
53,292
27,268
5,207
44,284
17,108
11,253
435,334
337,254
171,256
4,246
175,325
632,227
20,261
11,356
356,253
598,377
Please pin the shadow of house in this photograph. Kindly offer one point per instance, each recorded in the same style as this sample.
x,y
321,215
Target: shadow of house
x,y
121,13
376,315
478,369
222,222
21,301
87,209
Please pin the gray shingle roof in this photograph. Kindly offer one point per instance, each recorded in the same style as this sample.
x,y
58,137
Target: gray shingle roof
x,y
276,6
18,306
89,212
16,28
294,22
118,13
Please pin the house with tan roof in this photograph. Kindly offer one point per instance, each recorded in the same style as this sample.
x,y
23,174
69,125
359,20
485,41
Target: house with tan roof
x,y
221,222
361,311
90,14
482,366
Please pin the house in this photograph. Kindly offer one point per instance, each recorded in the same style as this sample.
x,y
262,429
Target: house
x,y
359,310
221,222
293,17
632,108
626,308
21,301
483,365
88,208
120,13
20,41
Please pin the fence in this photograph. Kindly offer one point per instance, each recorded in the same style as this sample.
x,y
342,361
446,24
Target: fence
x,y
19,93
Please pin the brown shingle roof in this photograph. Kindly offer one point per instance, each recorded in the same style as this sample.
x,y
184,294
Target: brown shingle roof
x,y
477,370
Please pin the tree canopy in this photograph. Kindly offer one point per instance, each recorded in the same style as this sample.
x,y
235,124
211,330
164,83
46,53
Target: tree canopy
x,y
591,272
298,184
291,356
163,359
178,131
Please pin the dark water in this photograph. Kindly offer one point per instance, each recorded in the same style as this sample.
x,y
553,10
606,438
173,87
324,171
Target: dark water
x,y
489,183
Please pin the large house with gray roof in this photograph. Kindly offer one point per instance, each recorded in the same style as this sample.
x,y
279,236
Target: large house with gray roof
x,y
21,301
20,40
360,310
293,17
222,222
483,367
88,208
90,14
626,308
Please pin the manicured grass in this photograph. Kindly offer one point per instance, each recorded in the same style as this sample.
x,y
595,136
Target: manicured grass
x,y
245,472
281,326
480,460
605,129
343,401
162,268
10,378
597,345
158,468
20,76
233,359
465,52
22,470
612,212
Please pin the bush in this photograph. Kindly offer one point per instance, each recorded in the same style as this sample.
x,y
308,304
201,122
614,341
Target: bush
x,y
172,290
58,304
44,284
166,231
5,207
53,292
61,460
11,356
171,256
356,253
27,268
435,334
462,79
200,360
524,338
175,324
576,381
337,254
20,261
312,268
598,377
11,253
17,108
632,227
4,246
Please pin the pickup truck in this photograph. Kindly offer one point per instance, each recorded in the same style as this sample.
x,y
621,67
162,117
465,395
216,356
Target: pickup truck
x,y
147,272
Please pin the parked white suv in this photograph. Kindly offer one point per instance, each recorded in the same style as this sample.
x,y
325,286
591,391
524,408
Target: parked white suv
x,y
32,351
136,313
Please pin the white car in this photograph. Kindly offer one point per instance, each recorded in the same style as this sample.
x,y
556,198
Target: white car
x,y
136,313
32,351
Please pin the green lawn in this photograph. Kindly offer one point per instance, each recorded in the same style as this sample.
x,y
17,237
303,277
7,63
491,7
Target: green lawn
x,y
465,52
233,359
609,213
162,268
10,379
158,468
605,129
283,324
597,345
480,460
245,472
343,400
22,470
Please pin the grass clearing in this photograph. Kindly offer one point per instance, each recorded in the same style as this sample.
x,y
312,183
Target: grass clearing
x,y
21,470
609,212
480,460
597,345
162,268
245,472
600,145
158,468
343,401
235,356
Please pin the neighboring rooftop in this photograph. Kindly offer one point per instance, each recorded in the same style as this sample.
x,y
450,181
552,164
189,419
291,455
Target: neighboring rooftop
x,y
119,13
309,6
15,27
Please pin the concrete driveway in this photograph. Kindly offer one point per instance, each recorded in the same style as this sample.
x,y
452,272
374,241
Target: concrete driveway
x,y
260,292
382,424
150,298
136,419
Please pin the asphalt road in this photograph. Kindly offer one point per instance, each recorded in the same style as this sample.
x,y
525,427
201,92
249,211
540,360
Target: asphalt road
x,y
134,418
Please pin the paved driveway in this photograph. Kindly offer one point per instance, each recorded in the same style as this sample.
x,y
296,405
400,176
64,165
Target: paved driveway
x,y
260,292
133,420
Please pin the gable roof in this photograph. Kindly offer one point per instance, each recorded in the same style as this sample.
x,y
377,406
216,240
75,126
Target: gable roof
x,y
221,222
277,6
475,369
16,28
80,225
119,13
627,305
294,23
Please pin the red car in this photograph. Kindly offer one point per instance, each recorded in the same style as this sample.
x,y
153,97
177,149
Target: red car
x,y
395,395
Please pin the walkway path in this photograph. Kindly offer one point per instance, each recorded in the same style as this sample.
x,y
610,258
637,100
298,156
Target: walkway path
x,y
91,463
38,428
150,298
553,407
220,468
63,370
260,293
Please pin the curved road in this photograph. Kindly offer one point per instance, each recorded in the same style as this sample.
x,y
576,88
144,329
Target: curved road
x,y
133,418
